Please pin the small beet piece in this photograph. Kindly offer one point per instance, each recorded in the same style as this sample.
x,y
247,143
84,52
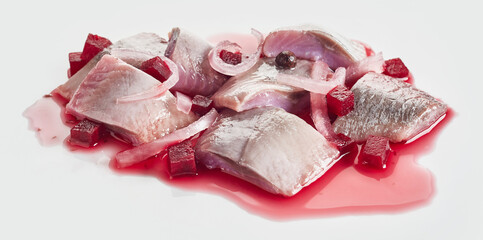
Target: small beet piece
x,y
340,101
345,144
157,68
181,159
232,58
76,62
375,152
86,133
286,60
201,104
94,45
395,68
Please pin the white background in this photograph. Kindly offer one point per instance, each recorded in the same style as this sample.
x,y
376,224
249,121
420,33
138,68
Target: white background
x,y
50,193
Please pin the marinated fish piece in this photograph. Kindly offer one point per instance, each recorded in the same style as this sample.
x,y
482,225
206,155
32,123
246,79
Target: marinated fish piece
x,y
388,107
137,122
196,76
259,87
133,50
139,48
316,44
273,149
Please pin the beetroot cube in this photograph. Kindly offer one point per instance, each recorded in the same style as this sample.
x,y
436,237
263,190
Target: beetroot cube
x,y
375,152
157,68
395,68
345,144
232,58
201,104
76,62
181,159
94,45
340,100
86,133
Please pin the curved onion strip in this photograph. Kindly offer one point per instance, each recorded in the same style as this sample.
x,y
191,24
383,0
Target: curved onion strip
x,y
320,116
157,90
374,63
339,76
317,83
183,103
143,152
231,70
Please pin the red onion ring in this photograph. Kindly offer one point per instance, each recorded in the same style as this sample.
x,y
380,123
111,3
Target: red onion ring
x,y
317,83
231,70
143,152
157,90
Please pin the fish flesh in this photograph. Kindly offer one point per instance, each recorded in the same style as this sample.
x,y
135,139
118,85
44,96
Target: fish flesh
x,y
259,87
273,149
133,50
137,122
316,44
190,53
388,107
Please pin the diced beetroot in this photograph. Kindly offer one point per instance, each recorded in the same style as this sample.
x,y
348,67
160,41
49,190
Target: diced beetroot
x,y
395,68
157,68
181,158
86,133
375,152
345,144
201,104
94,45
340,100
230,57
76,62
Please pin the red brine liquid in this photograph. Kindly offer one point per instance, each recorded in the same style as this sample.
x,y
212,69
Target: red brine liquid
x,y
346,188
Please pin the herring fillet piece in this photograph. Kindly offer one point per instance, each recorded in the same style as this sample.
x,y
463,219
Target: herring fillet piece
x,y
138,122
388,107
190,53
273,149
258,87
314,43
133,50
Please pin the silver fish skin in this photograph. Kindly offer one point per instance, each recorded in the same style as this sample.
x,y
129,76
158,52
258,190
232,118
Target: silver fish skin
x,y
137,122
258,87
314,43
190,53
274,150
388,107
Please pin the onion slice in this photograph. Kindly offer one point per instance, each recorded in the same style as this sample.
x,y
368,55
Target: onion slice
x,y
143,152
157,90
317,83
320,116
183,102
231,70
374,63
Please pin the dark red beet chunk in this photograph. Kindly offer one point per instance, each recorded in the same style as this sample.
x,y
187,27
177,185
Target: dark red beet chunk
x,y
345,144
157,68
201,104
94,45
76,62
395,68
230,57
340,101
181,158
86,133
375,152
